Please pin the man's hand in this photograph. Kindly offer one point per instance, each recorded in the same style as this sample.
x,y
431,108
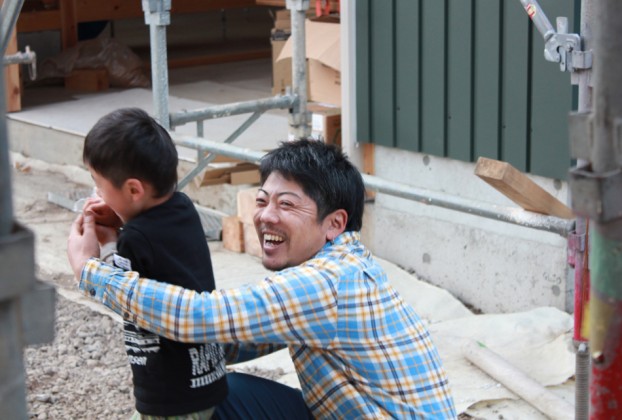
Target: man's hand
x,y
82,243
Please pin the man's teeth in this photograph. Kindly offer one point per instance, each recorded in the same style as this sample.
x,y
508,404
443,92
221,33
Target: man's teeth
x,y
272,238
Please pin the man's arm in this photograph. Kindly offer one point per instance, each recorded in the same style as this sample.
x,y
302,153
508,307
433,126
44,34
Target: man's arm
x,y
275,310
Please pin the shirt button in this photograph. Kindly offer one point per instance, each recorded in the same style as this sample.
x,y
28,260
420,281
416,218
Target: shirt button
x,y
92,292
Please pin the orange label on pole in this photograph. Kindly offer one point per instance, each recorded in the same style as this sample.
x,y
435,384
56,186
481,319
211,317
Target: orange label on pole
x,y
531,10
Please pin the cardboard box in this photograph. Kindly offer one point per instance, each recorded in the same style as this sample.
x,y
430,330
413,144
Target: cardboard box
x,y
324,59
325,123
87,80
281,69
234,174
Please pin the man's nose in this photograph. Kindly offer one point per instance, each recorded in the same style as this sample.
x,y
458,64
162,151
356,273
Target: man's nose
x,y
268,214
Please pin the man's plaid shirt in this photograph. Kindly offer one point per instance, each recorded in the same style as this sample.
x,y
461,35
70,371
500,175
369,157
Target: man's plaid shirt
x,y
359,350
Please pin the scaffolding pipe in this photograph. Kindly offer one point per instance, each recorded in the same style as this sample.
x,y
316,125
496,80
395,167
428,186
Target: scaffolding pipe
x,y
582,78
236,108
606,239
9,13
157,16
504,214
202,163
539,19
299,117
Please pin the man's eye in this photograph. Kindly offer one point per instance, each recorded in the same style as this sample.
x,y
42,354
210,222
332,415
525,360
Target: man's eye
x,y
286,204
260,202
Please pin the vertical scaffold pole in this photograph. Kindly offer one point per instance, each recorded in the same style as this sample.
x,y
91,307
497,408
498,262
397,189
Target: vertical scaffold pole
x,y
158,16
582,78
299,116
606,239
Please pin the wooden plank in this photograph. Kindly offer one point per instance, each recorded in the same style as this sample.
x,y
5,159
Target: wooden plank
x,y
252,246
69,23
369,166
246,205
232,234
38,20
92,10
520,189
12,81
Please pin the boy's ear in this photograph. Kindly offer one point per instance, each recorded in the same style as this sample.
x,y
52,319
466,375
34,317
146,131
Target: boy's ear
x,y
337,224
134,188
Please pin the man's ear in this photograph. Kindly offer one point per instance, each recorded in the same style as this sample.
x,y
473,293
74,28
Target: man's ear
x,y
337,224
134,188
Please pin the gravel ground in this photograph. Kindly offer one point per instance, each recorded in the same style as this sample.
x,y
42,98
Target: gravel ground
x,y
84,372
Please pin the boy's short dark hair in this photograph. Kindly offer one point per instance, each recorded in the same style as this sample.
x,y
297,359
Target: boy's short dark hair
x,y
128,143
325,175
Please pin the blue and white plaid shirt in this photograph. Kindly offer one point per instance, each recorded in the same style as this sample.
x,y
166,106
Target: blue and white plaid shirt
x,y
359,350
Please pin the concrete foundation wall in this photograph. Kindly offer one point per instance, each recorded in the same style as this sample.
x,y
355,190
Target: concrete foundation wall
x,y
493,266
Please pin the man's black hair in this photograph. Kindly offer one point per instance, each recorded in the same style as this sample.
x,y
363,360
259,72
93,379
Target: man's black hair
x,y
128,143
325,175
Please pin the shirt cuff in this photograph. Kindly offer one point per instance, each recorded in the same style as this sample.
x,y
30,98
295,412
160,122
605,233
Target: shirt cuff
x,y
93,278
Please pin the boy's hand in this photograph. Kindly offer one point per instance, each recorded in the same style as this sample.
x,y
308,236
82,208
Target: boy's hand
x,y
102,213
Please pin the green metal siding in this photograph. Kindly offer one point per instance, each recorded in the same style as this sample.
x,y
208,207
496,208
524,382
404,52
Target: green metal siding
x,y
462,79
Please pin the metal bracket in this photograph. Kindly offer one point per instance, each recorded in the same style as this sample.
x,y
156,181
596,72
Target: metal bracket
x,y
299,5
596,196
559,46
157,12
26,57
565,49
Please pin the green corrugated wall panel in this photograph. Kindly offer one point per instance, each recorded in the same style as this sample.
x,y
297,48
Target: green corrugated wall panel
x,y
433,88
459,83
407,110
550,106
462,78
382,67
486,78
515,60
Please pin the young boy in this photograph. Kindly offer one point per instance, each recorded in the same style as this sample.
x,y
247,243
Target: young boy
x,y
133,162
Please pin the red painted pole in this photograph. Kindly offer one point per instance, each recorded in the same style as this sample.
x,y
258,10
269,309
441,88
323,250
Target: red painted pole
x,y
605,190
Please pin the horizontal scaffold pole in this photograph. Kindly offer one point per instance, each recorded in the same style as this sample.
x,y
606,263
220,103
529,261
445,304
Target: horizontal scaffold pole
x,y
236,108
516,216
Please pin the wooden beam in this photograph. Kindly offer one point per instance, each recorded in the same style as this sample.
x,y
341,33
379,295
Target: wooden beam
x,y
69,23
520,189
12,81
369,166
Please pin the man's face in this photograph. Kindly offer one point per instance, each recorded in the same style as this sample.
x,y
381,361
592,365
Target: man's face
x,y
286,223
